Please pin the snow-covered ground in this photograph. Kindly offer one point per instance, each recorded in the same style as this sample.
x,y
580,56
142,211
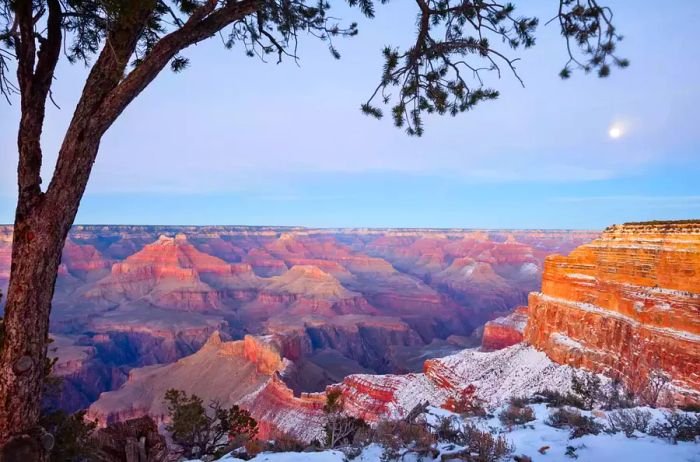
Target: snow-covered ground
x,y
528,440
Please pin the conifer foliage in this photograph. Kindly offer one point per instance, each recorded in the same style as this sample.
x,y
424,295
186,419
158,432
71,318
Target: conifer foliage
x,y
199,431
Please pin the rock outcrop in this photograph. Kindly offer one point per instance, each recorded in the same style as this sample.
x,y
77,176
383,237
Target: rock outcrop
x,y
627,305
251,373
136,440
224,371
494,377
505,331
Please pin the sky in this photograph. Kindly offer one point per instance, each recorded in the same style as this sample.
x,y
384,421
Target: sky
x,y
233,140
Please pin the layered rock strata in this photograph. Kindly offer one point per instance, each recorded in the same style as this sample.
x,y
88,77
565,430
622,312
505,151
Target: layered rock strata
x,y
627,305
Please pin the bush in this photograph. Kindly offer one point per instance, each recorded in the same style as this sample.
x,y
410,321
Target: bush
x,y
340,429
284,442
579,424
628,421
72,435
655,390
469,405
586,387
484,446
448,429
516,415
200,433
677,426
555,398
615,396
395,435
690,407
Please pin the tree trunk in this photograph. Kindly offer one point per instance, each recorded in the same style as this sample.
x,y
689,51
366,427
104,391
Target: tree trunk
x,y
36,254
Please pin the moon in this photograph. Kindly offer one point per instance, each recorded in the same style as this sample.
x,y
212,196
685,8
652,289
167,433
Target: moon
x,y
615,132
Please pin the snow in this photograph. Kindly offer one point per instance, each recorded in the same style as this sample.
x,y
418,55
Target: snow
x,y
528,440
325,456
594,448
529,269
585,277
567,341
519,370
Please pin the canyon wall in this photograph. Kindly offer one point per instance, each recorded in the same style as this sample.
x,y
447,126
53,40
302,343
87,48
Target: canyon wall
x,y
626,304
505,331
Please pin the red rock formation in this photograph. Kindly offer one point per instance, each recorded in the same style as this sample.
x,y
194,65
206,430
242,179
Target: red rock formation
x,y
626,304
218,371
505,331
81,259
167,272
490,376
277,409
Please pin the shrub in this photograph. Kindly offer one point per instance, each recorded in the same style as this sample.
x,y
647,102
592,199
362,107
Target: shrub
x,y
571,452
255,447
395,435
448,430
690,407
200,433
578,423
484,446
469,405
72,435
655,390
340,429
677,426
516,415
519,401
586,387
615,396
628,421
284,442
555,398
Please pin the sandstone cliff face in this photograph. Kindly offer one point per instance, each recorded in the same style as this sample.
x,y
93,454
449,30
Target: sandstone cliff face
x,y
626,304
505,331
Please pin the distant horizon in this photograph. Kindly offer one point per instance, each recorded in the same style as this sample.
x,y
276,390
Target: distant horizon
x,y
371,228
294,147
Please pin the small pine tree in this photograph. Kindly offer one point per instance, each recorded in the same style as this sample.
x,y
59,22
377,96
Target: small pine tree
x,y
340,428
198,432
586,387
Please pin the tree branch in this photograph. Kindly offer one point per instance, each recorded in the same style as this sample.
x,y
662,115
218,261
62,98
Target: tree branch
x,y
202,24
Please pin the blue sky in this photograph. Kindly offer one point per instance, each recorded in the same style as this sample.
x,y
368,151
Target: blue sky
x,y
235,141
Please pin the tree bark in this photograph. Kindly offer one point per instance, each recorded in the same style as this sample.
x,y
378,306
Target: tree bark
x,y
36,254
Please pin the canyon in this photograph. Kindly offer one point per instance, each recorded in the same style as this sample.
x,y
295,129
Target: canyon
x,y
338,301
274,318
625,305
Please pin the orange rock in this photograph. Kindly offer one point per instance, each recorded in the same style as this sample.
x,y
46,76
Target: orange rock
x,y
626,304
505,331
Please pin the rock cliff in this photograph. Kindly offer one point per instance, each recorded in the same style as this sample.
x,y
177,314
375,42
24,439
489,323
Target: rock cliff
x,y
627,305
505,331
